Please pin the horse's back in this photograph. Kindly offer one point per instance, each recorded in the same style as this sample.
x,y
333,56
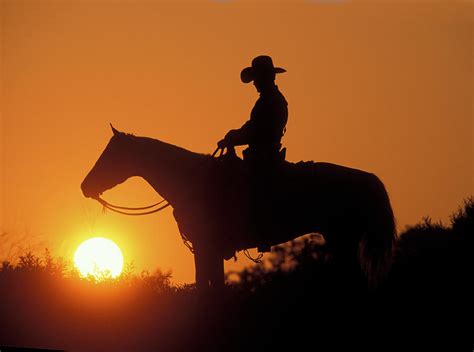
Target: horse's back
x,y
325,182
324,170
327,177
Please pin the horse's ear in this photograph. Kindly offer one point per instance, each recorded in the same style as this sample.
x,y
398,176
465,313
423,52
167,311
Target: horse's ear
x,y
116,132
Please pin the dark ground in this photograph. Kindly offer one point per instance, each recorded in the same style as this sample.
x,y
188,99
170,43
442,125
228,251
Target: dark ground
x,y
301,300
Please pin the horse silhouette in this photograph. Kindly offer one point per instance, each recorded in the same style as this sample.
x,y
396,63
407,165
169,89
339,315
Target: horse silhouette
x,y
215,209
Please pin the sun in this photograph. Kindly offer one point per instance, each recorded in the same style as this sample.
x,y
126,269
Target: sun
x,y
99,257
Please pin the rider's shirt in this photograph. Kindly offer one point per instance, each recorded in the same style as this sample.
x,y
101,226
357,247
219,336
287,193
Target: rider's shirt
x,y
267,122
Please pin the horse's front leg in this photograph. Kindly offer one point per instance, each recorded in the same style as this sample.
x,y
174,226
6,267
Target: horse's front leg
x,y
209,265
217,271
202,277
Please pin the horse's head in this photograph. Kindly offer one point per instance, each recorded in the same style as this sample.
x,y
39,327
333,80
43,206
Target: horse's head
x,y
113,167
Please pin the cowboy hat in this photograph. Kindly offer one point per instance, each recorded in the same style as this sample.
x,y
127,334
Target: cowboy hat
x,y
262,66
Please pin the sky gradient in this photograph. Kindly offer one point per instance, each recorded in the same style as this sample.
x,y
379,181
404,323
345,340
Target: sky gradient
x,y
386,87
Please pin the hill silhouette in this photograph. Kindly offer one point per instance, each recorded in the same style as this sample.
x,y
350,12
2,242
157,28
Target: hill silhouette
x,y
301,296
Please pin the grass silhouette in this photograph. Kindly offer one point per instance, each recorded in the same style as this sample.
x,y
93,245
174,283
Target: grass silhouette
x,y
300,296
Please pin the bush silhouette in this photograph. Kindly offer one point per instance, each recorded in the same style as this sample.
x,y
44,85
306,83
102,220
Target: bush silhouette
x,y
299,297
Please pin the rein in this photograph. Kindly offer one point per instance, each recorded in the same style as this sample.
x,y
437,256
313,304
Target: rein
x,y
120,209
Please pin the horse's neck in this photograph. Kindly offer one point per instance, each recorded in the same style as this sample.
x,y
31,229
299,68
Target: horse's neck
x,y
169,169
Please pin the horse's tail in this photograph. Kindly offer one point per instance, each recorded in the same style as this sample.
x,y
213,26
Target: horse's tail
x,y
375,246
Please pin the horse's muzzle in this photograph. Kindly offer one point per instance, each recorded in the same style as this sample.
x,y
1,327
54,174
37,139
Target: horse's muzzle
x,y
88,192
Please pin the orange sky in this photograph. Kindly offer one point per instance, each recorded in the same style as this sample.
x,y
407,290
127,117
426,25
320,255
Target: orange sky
x,y
386,88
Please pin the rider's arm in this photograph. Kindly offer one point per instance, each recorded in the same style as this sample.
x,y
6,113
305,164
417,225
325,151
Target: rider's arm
x,y
241,136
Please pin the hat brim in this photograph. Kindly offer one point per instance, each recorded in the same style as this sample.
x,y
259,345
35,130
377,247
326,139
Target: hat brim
x,y
248,74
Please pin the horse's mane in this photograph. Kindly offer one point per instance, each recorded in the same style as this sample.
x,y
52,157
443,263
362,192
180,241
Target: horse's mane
x,y
172,147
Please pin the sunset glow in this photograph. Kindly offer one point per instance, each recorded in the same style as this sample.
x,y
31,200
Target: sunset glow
x,y
382,86
99,257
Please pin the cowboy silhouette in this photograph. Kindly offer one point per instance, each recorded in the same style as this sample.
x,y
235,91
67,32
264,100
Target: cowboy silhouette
x,y
266,126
